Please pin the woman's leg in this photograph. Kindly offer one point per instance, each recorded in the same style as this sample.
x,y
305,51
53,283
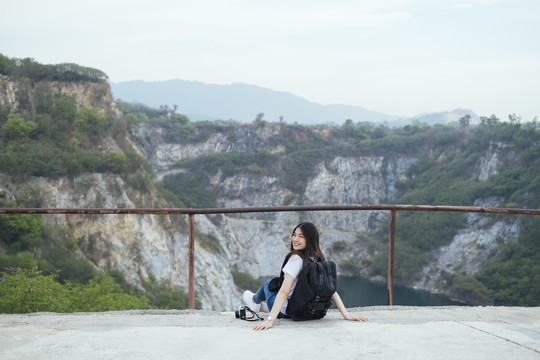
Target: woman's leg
x,y
265,294
260,295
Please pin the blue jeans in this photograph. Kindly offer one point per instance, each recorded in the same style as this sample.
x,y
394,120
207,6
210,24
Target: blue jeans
x,y
270,296
265,294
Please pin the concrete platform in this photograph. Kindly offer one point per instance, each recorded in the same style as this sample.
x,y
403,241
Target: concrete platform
x,y
392,333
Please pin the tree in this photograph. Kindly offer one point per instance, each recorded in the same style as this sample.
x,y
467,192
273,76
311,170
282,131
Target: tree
x,y
27,291
74,72
16,127
7,65
118,162
104,294
35,71
465,122
20,232
259,118
491,121
65,109
515,120
89,121
43,98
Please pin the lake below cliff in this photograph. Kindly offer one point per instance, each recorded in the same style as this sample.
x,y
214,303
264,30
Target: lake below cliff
x,y
357,291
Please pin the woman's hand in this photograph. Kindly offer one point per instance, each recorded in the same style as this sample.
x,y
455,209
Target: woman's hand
x,y
355,318
265,325
281,297
343,310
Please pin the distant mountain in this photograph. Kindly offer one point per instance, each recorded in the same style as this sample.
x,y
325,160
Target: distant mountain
x,y
443,118
240,102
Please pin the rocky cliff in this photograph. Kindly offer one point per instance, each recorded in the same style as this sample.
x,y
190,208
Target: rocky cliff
x,y
137,246
256,243
19,95
141,246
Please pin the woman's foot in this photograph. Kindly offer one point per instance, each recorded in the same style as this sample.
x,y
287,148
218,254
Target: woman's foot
x,y
248,300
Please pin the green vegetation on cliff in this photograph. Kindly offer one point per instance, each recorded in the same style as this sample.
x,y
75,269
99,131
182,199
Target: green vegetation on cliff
x,y
31,69
59,142
513,277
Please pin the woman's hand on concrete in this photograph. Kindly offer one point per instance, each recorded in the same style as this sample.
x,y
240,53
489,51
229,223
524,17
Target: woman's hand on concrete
x,y
356,318
265,325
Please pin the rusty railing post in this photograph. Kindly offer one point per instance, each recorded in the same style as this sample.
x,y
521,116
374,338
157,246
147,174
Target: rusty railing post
x,y
391,250
191,298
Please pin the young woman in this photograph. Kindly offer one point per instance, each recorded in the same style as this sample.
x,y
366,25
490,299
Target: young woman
x,y
304,247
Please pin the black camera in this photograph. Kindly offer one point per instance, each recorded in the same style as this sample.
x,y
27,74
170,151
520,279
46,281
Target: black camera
x,y
241,312
245,313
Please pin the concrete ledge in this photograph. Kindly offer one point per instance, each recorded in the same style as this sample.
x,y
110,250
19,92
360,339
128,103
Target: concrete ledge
x,y
396,332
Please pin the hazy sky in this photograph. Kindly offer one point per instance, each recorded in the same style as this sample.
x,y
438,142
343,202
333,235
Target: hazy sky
x,y
398,57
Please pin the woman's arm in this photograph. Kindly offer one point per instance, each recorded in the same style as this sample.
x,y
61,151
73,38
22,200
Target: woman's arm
x,y
281,297
343,310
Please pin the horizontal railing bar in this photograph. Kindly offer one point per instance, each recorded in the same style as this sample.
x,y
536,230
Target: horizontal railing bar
x,y
293,208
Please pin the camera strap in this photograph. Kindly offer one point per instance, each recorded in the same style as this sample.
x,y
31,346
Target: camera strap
x,y
254,316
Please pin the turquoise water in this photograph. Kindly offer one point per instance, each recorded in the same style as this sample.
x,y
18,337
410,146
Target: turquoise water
x,y
358,291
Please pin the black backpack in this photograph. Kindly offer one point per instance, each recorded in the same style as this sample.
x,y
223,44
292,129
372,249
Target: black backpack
x,y
312,296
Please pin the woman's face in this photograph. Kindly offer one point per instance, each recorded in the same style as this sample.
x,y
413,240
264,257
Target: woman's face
x,y
298,240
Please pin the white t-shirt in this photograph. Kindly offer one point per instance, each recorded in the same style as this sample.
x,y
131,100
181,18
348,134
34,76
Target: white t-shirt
x,y
292,267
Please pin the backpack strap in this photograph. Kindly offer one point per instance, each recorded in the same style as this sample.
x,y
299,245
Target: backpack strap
x,y
329,272
275,283
320,281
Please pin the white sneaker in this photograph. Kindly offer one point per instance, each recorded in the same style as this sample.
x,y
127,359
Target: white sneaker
x,y
264,307
248,300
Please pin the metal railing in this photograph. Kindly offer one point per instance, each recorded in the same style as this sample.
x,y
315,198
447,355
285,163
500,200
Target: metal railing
x,y
192,212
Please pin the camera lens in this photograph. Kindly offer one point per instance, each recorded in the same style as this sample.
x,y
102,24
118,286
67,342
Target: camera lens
x,y
241,312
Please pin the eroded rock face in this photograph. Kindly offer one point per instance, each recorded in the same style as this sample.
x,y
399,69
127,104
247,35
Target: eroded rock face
x,y
471,247
136,245
18,95
363,180
247,139
256,243
11,91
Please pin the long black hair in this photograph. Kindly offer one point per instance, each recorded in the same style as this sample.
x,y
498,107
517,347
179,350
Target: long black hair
x,y
312,251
